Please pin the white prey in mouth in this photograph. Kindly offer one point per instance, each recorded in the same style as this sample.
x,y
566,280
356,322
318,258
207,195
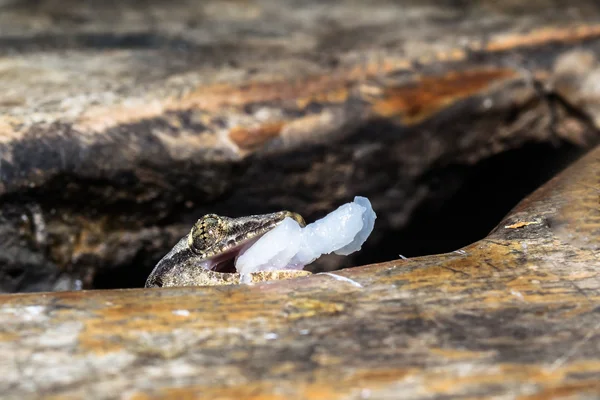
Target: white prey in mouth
x,y
291,246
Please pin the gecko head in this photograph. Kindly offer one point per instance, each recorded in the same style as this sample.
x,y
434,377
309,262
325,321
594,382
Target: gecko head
x,y
214,243
213,236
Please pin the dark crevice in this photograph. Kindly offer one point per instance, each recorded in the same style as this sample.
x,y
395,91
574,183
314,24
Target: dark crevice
x,y
464,203
482,195
128,276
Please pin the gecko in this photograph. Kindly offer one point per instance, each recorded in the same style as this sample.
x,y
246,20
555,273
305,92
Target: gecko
x,y
207,254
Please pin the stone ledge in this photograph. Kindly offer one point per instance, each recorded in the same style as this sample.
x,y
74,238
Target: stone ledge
x,y
515,314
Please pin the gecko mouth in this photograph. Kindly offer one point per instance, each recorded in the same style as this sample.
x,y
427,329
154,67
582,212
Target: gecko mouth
x,y
221,263
182,255
225,262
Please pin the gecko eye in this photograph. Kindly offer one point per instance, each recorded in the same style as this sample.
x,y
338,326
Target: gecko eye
x,y
206,232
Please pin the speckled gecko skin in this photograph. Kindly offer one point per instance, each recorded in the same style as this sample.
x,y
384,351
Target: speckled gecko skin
x,y
206,255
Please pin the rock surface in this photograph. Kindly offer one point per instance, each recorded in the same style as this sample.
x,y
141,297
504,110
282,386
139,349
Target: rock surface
x,y
122,123
515,315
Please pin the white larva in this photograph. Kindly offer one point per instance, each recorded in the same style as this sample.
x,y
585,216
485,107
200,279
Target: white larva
x,y
290,246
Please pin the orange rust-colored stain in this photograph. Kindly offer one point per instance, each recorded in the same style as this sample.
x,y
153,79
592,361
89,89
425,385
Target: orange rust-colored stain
x,y
101,118
8,336
541,36
566,391
216,96
250,392
62,397
338,95
306,308
251,138
518,225
451,55
115,325
378,376
110,328
262,390
328,87
429,94
440,383
7,130
492,274
377,67
471,266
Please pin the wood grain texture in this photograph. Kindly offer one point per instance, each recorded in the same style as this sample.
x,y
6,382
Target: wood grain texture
x,y
515,315
123,122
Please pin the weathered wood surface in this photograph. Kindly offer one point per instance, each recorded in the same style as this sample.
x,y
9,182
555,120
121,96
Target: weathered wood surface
x,y
515,315
123,122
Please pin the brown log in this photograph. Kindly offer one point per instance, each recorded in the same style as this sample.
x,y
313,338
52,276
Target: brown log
x,y
515,315
120,124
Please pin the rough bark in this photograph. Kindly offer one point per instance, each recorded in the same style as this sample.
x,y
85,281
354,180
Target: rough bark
x,y
515,315
122,122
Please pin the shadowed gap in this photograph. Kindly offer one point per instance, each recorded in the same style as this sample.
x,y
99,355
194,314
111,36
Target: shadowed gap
x,y
485,193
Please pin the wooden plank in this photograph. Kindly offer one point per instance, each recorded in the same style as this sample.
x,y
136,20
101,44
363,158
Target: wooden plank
x,y
121,124
515,315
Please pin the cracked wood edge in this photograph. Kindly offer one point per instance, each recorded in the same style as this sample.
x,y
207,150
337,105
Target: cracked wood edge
x,y
515,314
223,122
